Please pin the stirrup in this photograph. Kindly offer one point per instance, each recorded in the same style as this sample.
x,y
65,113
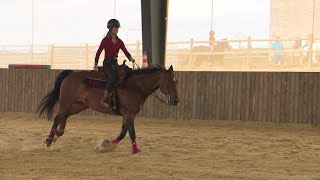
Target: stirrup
x,y
106,98
106,104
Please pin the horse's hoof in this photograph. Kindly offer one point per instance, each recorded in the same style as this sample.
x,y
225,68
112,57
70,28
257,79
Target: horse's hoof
x,y
105,143
49,141
106,146
59,132
135,151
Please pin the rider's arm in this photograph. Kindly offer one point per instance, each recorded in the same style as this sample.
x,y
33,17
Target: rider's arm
x,y
125,51
102,45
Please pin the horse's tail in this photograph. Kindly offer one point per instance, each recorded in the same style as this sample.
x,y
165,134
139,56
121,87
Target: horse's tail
x,y
45,108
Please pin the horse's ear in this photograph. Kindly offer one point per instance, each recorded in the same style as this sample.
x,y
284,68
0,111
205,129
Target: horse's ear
x,y
170,68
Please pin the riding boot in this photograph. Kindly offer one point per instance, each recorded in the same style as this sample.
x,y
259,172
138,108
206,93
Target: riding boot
x,y
106,98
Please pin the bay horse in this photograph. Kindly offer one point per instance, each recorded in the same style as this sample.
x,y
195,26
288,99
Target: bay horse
x,y
217,55
77,91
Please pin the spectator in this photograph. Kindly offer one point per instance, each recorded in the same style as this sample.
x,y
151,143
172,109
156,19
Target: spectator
x,y
277,48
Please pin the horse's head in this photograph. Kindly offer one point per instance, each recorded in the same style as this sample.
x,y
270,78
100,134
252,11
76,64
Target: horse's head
x,y
168,86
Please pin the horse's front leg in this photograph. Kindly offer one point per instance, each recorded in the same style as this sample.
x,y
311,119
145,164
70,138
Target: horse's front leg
x,y
129,123
122,134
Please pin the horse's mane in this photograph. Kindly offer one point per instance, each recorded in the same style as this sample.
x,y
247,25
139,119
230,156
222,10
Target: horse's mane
x,y
150,69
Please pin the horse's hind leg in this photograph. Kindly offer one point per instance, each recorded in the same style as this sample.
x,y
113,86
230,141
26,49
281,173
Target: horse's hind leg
x,y
53,131
63,113
74,109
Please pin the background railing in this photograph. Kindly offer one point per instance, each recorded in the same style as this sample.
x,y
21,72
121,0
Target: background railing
x,y
243,55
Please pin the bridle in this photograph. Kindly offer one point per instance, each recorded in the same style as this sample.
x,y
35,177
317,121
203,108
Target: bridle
x,y
154,94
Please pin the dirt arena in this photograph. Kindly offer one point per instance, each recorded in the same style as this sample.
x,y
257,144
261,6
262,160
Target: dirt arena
x,y
171,149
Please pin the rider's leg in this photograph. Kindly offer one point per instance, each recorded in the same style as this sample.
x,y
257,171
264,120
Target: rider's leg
x,y
110,70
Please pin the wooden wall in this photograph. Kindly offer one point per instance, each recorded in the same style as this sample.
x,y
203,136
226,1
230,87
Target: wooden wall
x,y
280,97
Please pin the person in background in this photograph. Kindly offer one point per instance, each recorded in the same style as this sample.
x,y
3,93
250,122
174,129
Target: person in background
x,y
277,48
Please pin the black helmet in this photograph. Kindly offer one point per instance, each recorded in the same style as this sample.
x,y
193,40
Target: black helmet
x,y
113,23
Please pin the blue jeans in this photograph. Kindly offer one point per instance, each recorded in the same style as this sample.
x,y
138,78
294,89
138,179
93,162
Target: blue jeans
x,y
278,58
109,66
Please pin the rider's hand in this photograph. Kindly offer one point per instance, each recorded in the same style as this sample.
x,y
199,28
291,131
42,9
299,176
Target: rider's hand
x,y
95,68
132,60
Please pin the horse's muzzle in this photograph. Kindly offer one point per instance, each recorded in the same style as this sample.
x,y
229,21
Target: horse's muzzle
x,y
173,100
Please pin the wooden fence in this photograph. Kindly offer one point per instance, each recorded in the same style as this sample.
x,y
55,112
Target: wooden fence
x,y
246,55
281,97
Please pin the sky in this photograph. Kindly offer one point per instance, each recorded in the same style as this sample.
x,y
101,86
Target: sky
x,y
84,21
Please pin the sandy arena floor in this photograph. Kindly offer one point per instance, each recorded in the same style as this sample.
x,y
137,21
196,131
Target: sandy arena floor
x,y
171,149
